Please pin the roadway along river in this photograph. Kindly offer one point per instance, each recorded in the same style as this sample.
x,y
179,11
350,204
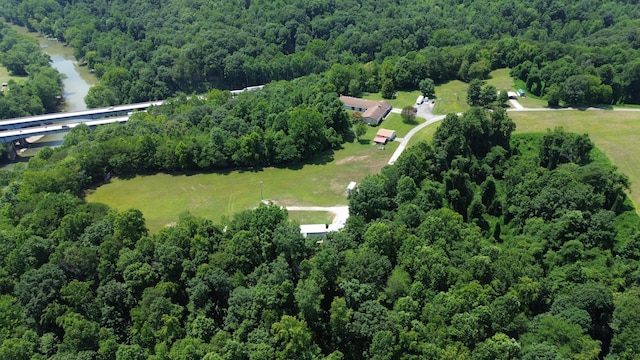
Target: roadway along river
x,y
76,84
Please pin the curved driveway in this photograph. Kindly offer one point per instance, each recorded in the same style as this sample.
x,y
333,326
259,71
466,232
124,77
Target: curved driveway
x,y
424,111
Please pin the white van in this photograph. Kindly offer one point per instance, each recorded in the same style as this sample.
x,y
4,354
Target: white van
x,y
420,100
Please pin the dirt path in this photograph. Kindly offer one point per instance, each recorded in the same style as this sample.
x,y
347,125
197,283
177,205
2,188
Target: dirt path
x,y
341,214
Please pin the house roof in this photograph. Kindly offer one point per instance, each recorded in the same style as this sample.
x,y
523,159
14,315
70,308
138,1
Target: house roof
x,y
386,133
375,109
357,102
380,139
377,112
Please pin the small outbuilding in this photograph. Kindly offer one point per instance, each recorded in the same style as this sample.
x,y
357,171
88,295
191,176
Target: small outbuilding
x,y
351,188
521,93
383,136
314,230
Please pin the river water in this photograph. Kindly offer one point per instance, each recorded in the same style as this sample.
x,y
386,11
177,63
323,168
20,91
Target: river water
x,y
78,79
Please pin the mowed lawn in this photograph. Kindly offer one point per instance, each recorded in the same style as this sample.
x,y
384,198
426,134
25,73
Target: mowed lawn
x,y
501,79
162,197
5,76
451,97
402,99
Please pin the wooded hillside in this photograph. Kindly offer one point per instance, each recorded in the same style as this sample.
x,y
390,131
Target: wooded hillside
x,y
152,49
477,246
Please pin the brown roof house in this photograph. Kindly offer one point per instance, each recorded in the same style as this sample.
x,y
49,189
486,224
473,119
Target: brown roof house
x,y
372,111
383,136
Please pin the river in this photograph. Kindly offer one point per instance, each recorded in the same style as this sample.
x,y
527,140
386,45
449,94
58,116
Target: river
x,y
78,80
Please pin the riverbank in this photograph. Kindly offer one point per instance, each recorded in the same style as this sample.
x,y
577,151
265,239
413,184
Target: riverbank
x,y
77,82
78,79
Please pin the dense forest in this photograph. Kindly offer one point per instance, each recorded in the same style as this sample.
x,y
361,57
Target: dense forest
x,y
41,89
282,124
479,245
574,52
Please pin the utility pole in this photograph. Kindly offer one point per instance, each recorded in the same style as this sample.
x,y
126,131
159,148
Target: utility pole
x,y
260,190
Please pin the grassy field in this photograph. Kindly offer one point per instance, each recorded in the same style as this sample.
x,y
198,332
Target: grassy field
x,y
311,217
403,98
394,122
163,197
451,97
501,79
425,134
5,77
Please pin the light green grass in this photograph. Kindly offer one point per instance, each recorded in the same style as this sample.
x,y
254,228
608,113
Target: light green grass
x,y
162,197
311,217
394,122
501,79
451,97
5,76
616,134
403,98
425,134
529,101
532,102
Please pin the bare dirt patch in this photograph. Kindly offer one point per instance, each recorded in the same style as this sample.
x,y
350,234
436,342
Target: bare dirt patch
x,y
351,159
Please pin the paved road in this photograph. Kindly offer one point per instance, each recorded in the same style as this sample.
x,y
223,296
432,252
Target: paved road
x,y
405,139
424,111
515,104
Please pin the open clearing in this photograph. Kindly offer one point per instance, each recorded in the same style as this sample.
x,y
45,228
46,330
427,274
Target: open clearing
x,y
162,197
5,77
403,98
311,217
501,79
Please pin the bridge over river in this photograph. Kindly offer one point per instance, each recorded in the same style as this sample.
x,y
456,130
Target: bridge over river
x,y
15,132
49,119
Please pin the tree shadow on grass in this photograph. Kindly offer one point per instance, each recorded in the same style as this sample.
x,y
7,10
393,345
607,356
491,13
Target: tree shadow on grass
x,y
322,159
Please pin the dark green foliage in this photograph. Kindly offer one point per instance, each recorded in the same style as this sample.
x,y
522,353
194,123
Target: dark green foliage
x,y
387,89
406,278
559,147
282,124
478,246
38,93
473,135
428,88
408,115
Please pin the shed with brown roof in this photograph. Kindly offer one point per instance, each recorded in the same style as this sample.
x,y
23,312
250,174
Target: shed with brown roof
x,y
383,136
